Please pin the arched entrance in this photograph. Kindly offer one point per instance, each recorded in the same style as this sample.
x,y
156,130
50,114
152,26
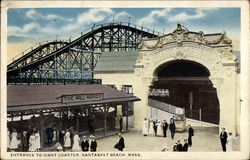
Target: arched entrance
x,y
189,87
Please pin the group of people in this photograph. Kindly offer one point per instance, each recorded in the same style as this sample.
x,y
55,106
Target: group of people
x,y
69,140
158,128
30,141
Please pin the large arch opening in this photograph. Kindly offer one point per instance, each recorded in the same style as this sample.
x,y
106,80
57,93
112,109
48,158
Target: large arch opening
x,y
189,87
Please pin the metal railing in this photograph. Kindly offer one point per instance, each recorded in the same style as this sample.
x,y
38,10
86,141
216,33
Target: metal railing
x,y
50,81
166,107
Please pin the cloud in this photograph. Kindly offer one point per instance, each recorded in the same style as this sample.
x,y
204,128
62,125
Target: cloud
x,y
22,31
151,18
94,15
36,14
183,16
122,16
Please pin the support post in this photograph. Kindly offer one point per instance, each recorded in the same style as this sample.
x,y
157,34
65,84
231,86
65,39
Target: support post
x,y
41,130
105,119
127,116
77,123
200,115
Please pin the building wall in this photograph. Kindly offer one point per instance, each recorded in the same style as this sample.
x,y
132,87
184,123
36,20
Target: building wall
x,y
219,61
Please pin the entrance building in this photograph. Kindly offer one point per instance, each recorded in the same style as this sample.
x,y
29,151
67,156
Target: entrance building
x,y
199,72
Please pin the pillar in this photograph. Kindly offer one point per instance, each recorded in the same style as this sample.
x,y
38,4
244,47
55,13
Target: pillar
x,y
105,119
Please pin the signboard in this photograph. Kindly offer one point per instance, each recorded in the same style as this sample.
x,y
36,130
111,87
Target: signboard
x,y
81,97
159,92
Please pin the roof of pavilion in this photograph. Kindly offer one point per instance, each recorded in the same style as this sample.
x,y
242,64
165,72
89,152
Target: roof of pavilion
x,y
21,98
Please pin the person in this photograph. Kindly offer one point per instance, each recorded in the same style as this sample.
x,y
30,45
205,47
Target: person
x,y
223,139
50,134
85,144
61,137
25,142
164,149
155,126
59,147
151,128
185,146
175,147
145,127
76,147
179,146
230,142
121,144
121,123
72,134
190,134
67,142
93,144
32,143
165,128
37,140
91,125
172,128
13,141
159,129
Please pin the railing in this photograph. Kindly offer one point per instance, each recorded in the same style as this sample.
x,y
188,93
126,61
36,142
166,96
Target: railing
x,y
50,81
166,107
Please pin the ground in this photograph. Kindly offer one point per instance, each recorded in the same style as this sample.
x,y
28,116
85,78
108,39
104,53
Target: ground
x,y
204,140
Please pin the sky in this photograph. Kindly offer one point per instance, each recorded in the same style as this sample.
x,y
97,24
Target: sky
x,y
29,25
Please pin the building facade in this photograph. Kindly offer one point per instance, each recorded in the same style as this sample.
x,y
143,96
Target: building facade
x,y
199,71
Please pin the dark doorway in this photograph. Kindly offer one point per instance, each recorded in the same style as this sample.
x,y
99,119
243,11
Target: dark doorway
x,y
190,88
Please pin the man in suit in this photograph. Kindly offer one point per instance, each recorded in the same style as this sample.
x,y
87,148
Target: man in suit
x,y
25,142
121,144
85,144
165,128
50,135
185,146
223,139
179,146
121,123
190,134
172,128
155,127
93,144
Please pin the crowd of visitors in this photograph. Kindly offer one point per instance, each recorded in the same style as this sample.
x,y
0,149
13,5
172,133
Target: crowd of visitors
x,y
29,141
158,128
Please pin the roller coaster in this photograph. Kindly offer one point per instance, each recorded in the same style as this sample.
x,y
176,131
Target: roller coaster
x,y
75,60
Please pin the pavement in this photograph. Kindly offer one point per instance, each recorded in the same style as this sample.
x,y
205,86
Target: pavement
x,y
205,139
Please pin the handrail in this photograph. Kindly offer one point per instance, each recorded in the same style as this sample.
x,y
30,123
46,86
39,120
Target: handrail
x,y
166,107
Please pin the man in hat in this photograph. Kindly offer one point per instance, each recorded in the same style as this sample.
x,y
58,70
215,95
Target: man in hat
x,y
165,128
50,135
179,146
185,146
223,139
25,142
85,144
190,134
93,144
121,144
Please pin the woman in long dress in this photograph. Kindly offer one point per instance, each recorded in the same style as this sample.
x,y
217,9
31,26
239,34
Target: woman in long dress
x,y
159,129
76,145
230,142
145,127
32,142
13,141
37,141
67,142
151,128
